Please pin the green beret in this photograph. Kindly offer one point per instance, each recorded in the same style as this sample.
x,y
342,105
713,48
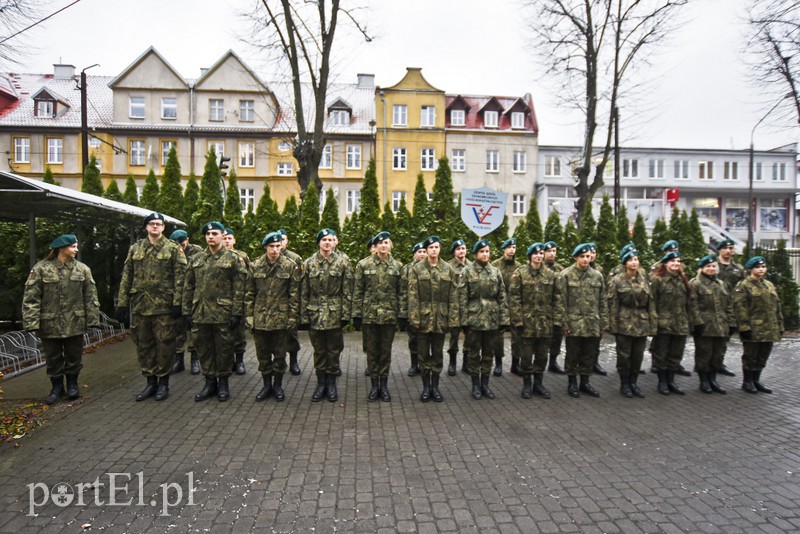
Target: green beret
x,y
628,255
755,261
63,241
726,243
213,225
627,248
179,236
550,244
416,247
669,245
536,247
431,240
508,242
583,248
370,242
281,231
154,216
324,233
228,231
705,260
381,236
457,243
483,243
670,256
272,237
592,246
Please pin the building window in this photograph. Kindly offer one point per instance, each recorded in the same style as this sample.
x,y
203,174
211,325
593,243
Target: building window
x,y
705,170
353,156
45,108
169,108
520,161
247,154
428,159
517,120
55,150
284,146
759,169
552,166
457,117
397,197
492,161
707,208
730,170
458,164
399,160
216,109
137,152
656,168
353,200
247,111
778,172
166,146
218,146
399,115
248,199
339,117
630,168
284,169
772,214
681,169
94,142
428,117
326,161
518,205
736,214
22,150
490,119
136,107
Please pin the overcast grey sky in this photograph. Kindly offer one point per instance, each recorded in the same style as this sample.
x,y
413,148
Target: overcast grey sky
x,y
699,94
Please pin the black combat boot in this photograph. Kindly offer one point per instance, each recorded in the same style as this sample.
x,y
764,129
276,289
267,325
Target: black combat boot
x,y
757,382
464,363
333,395
663,388
747,382
414,369
725,371
163,388
572,386
238,363
486,391
598,369
712,381
195,361
673,387
277,387
149,390
635,389
57,391
625,385
321,389
515,366
72,387
587,388
476,387
426,387
451,369
266,391
553,367
498,366
209,389
538,386
682,371
179,366
375,390
435,393
526,387
384,383
705,387
294,368
223,391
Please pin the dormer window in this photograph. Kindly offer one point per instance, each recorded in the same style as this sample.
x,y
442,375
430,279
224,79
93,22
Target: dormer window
x,y
48,104
45,108
457,117
517,120
490,119
339,117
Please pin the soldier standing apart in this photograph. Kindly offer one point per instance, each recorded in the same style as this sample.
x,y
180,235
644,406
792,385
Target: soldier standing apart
x,y
214,297
151,287
550,253
731,273
631,317
272,303
671,292
458,262
326,293
582,310
182,328
376,307
419,255
484,309
59,304
506,264
713,322
530,303
294,341
239,341
760,321
432,312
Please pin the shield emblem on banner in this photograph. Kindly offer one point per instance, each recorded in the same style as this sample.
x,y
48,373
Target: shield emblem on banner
x,y
482,210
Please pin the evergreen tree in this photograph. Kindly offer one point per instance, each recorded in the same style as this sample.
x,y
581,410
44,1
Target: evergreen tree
x,y
780,273
267,216
606,238
552,229
113,192
87,232
149,198
588,229
422,213
249,239
210,203
191,197
529,230
369,210
114,241
659,236
675,229
623,226
387,218
646,256
131,195
48,176
497,236
442,205
569,239
404,235
693,246
170,196
330,213
290,221
309,220
348,236
233,206
91,179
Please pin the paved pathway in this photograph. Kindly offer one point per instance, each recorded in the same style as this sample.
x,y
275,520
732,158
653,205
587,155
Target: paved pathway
x,y
699,463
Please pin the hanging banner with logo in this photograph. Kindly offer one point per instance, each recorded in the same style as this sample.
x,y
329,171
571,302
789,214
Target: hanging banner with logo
x,y
482,210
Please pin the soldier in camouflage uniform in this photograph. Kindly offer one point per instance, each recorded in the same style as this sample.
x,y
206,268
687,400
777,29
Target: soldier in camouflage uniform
x,y
631,318
181,327
272,303
582,312
294,341
326,295
713,322
484,311
731,273
530,302
239,343
506,264
550,254
419,255
151,287
59,304
214,297
458,262
760,321
432,312
376,307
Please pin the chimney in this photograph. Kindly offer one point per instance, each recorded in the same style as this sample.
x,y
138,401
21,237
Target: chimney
x,y
63,71
366,81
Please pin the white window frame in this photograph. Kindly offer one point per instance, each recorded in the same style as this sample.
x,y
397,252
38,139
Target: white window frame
x,y
517,120
137,154
285,168
492,160
216,110
427,160
759,172
248,198
353,156
518,204
399,159
490,119
284,146
630,168
400,115
730,170
681,169
705,170
247,154
165,146
397,197
353,201
656,168
552,166
94,142
459,160
55,150
520,162
339,117
427,117
779,172
22,150
169,108
136,107
45,108
326,161
458,117
247,111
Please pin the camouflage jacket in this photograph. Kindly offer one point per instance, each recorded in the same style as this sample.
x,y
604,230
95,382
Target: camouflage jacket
x,y
554,266
153,277
377,290
60,299
458,267
484,300
672,304
507,269
404,272
294,256
581,304
326,291
711,306
214,288
433,297
531,299
731,274
631,307
272,294
758,309
192,250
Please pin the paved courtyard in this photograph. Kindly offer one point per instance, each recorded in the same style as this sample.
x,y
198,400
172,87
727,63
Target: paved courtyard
x,y
699,463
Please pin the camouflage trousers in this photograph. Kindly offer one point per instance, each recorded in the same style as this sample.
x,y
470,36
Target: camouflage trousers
x,y
709,353
271,349
555,346
214,348
239,341
154,337
667,351
480,346
328,346
63,355
499,345
533,354
430,347
755,355
412,343
182,335
378,339
580,356
452,348
630,353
